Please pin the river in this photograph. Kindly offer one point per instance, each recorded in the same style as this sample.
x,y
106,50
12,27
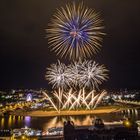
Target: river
x,y
43,123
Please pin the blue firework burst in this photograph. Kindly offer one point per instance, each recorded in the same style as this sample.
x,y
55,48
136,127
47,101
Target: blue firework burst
x,y
75,32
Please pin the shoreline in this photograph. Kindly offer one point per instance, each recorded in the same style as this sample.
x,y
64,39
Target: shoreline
x,y
41,113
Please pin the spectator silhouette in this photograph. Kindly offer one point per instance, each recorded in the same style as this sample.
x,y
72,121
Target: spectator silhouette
x,y
97,125
64,129
69,131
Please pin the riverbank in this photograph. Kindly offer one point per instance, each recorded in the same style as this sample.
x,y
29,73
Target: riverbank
x,y
41,113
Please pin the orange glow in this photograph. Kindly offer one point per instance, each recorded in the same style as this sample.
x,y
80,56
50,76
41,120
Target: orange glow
x,y
127,123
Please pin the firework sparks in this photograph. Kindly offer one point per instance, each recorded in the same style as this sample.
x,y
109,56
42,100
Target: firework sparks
x,y
87,74
75,31
52,103
57,75
92,74
100,98
70,100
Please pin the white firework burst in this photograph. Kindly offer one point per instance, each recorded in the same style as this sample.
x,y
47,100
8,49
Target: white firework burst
x,y
87,74
92,74
57,75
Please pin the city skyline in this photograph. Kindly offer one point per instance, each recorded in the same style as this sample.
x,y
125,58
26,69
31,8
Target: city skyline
x,y
24,53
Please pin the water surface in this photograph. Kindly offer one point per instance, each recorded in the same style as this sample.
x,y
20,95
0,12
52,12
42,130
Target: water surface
x,y
43,123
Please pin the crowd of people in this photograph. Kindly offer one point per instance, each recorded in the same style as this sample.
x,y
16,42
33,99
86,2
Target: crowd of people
x,y
69,128
98,126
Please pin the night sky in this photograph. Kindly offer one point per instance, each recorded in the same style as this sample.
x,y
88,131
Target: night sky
x,y
24,53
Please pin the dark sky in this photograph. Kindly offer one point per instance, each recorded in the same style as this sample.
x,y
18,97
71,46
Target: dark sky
x,y
24,53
